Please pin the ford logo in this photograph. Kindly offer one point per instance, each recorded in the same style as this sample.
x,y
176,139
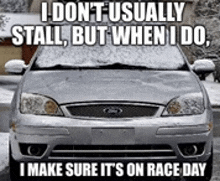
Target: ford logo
x,y
113,111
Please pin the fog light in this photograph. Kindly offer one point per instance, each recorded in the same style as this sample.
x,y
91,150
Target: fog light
x,y
192,149
33,150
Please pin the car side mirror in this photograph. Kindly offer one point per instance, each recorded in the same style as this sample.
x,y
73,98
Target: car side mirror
x,y
203,67
15,66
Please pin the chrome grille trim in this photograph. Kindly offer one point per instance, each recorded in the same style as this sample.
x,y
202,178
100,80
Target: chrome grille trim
x,y
112,151
113,158
133,109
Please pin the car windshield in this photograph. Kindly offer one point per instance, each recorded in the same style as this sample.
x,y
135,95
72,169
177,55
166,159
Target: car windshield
x,y
150,57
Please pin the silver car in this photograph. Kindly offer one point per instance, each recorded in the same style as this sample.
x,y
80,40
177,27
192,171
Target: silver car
x,y
110,103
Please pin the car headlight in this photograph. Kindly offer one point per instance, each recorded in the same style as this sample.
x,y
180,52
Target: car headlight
x,y
188,104
38,104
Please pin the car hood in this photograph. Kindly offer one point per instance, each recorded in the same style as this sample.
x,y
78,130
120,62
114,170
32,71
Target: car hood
x,y
71,86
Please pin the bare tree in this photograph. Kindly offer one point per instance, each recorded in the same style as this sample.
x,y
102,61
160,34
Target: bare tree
x,y
3,21
15,6
208,14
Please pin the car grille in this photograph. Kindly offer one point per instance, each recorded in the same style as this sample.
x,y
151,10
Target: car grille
x,y
112,110
113,151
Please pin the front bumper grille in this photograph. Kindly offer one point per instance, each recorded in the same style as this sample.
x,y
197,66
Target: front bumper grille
x,y
113,151
112,110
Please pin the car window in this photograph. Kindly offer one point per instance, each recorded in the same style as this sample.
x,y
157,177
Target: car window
x,y
153,57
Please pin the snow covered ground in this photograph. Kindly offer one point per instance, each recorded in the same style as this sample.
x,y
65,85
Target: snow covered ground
x,y
3,150
6,95
213,89
7,85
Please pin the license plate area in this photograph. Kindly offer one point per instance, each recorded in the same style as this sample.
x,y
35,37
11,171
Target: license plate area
x,y
113,136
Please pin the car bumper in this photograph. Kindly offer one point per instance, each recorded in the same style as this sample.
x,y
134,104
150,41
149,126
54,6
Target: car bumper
x,y
114,139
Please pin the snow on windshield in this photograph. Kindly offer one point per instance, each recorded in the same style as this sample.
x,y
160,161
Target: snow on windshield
x,y
155,57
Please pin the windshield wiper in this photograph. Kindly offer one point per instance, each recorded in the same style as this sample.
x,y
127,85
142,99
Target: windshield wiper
x,y
137,67
109,66
122,66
